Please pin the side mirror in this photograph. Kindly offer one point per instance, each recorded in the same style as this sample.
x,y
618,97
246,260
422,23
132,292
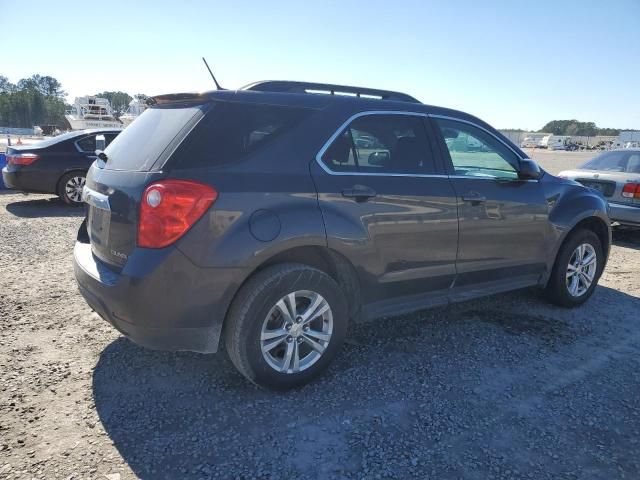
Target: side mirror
x,y
101,144
529,170
378,158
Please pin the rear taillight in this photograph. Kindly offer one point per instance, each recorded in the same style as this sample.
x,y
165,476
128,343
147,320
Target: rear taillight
x,y
22,159
631,190
169,208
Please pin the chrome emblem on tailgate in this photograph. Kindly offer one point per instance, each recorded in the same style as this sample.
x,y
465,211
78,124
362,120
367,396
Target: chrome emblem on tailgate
x,y
119,255
95,199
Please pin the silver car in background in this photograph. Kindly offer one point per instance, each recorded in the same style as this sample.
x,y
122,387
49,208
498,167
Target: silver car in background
x,y
616,175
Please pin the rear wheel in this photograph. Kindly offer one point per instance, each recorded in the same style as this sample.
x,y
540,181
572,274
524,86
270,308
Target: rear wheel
x,y
70,188
577,269
286,325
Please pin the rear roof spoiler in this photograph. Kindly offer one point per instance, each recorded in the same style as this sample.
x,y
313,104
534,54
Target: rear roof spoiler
x,y
282,86
177,97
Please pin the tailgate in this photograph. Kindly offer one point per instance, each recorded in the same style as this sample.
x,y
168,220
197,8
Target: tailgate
x,y
113,199
133,160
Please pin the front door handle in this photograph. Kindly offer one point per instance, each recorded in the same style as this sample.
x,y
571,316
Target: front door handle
x,y
474,197
360,193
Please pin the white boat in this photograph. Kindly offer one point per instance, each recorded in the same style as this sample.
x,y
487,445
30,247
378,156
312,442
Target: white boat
x,y
136,107
91,112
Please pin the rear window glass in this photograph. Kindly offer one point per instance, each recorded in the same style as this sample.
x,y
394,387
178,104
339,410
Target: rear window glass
x,y
140,145
230,131
618,161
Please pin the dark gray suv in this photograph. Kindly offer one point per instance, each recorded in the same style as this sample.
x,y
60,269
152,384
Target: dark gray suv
x,y
273,215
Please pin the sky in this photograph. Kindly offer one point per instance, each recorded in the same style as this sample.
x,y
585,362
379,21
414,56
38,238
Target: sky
x,y
515,64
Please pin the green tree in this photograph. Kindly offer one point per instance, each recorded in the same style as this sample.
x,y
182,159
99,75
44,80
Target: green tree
x,y
36,100
5,85
119,101
576,128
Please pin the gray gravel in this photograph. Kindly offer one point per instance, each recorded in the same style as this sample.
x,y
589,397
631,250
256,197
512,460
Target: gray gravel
x,y
504,387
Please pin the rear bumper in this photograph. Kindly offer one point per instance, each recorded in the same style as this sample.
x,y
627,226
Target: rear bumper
x,y
25,180
9,179
160,300
625,214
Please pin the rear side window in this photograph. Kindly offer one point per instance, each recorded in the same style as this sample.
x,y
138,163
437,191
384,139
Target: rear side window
x,y
231,131
387,144
142,143
87,144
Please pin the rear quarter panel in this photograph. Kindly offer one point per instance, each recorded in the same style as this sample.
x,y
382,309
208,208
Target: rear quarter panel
x,y
266,204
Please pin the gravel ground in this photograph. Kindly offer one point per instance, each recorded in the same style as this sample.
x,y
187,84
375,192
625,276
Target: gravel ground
x,y
504,387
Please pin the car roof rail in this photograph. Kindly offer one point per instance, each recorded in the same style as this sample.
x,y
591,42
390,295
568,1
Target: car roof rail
x,y
282,86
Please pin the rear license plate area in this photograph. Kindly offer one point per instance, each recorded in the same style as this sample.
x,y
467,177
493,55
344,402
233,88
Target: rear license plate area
x,y
98,222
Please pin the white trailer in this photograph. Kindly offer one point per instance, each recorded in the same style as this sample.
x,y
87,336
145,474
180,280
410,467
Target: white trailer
x,y
558,142
628,137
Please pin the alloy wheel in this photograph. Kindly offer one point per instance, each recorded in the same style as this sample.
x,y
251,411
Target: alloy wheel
x,y
73,188
296,331
581,269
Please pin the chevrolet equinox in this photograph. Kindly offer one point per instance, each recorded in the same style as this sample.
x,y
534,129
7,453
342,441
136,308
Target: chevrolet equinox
x,y
269,217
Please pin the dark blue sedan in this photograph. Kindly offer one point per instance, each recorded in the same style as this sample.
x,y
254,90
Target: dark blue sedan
x,y
56,165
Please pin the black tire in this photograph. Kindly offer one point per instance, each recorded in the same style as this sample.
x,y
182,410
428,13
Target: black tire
x,y
65,195
557,290
253,304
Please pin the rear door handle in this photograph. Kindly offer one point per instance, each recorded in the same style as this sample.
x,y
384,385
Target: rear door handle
x,y
474,197
359,192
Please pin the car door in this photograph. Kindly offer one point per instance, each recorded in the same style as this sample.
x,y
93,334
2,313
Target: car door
x,y
390,209
87,149
61,157
503,220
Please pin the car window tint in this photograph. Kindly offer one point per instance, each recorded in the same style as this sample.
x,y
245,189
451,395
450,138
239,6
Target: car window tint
x,y
476,153
139,146
392,144
230,131
340,156
109,137
87,144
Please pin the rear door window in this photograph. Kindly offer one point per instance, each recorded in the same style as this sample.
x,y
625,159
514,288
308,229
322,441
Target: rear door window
x,y
87,144
147,140
341,154
385,144
231,131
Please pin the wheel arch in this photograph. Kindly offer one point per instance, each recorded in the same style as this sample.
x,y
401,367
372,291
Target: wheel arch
x,y
592,222
337,266
599,227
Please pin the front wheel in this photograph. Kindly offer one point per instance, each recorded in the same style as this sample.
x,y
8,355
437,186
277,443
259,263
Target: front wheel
x,y
577,269
286,325
70,188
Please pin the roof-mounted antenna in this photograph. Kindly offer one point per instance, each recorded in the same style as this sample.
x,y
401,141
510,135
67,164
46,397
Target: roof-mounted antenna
x,y
212,76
